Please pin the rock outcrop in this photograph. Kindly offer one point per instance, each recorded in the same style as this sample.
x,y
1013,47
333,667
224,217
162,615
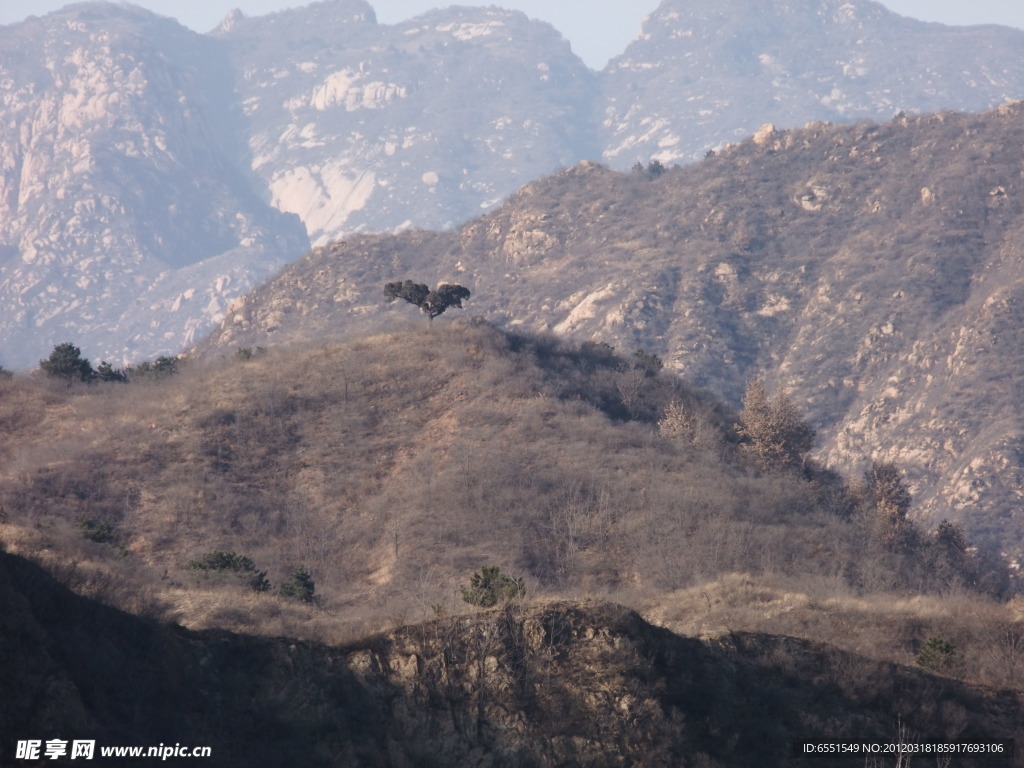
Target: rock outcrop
x,y
813,259
128,221
144,168
540,685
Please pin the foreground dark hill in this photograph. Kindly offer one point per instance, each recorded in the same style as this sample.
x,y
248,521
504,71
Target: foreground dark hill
x,y
539,685
873,270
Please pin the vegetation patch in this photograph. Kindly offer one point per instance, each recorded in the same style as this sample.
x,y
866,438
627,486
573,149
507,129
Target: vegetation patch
x,y
490,587
300,586
231,563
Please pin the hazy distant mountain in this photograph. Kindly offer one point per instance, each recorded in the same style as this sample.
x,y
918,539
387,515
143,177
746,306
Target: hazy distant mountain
x,y
127,218
141,164
706,72
587,684
357,126
875,270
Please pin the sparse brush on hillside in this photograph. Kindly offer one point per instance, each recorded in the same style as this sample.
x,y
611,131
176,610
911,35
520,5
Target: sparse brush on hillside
x,y
392,467
582,683
872,271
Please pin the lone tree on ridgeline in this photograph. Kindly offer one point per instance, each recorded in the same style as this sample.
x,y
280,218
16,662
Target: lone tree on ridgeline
x,y
432,303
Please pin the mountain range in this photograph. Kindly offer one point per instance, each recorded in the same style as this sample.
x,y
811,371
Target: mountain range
x,y
732,197
149,176
873,271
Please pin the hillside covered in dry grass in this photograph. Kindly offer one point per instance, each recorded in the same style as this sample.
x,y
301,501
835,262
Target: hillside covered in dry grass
x,y
390,468
683,600
873,270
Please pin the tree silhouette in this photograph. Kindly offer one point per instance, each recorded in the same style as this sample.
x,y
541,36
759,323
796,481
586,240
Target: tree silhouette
x,y
301,586
66,362
432,303
107,372
161,368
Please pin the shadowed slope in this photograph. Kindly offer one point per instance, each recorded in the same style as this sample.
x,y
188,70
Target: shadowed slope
x,y
541,685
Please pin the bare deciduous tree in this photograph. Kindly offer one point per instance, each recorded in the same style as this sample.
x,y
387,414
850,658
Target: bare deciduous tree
x,y
775,434
885,501
1006,650
676,423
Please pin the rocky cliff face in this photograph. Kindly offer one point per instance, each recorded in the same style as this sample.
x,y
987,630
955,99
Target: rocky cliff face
x,y
144,168
872,270
127,221
542,685
359,126
705,73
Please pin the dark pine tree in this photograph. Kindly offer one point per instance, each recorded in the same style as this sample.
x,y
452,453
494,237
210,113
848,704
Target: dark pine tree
x,y
432,303
66,362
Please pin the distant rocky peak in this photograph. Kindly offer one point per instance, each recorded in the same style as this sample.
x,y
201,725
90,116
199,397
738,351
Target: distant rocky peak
x,y
93,18
322,18
789,19
449,19
704,72
234,17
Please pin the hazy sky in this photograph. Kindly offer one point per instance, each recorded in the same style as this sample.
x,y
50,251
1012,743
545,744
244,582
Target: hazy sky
x,y
598,29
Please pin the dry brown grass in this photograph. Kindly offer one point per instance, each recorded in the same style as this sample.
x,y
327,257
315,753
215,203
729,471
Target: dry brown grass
x,y
988,634
394,466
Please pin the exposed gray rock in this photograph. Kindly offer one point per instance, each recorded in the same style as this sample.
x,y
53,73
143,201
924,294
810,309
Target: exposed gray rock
x,y
141,164
813,258
357,126
127,221
707,72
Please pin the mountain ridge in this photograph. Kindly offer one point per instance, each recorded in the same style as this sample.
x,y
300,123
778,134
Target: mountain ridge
x,y
123,161
871,270
744,64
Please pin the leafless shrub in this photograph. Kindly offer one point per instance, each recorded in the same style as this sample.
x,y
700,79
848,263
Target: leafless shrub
x,y
1002,657
677,423
777,436
631,384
